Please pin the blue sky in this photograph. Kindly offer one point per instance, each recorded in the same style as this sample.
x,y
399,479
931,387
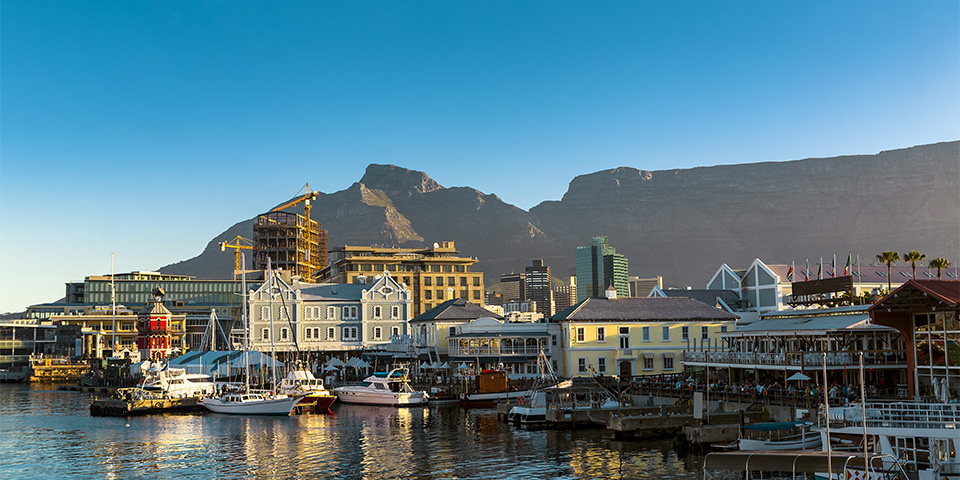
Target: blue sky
x,y
119,120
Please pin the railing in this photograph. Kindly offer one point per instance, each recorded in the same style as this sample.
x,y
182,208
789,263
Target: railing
x,y
812,359
487,351
901,415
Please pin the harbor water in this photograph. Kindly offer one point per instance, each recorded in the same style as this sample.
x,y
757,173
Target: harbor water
x,y
47,433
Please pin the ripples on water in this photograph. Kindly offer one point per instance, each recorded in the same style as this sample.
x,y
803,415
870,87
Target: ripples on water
x,y
45,433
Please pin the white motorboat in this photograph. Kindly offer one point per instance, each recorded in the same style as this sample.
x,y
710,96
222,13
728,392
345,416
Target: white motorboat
x,y
773,437
302,382
529,410
176,383
919,439
252,403
383,389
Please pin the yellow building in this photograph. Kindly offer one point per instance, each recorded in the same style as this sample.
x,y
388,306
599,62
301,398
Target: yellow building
x,y
635,336
434,275
434,327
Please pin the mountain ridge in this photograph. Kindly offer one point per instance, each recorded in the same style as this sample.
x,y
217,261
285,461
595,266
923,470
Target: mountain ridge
x,y
679,223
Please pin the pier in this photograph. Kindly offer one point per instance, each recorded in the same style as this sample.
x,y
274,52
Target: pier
x,y
119,407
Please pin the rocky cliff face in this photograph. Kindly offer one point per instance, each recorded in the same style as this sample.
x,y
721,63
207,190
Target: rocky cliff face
x,y
681,224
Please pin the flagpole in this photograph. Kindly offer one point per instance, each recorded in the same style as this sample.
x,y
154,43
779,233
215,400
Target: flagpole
x,y
833,266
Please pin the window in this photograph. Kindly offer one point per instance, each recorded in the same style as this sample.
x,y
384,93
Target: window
x,y
666,334
439,294
331,333
451,281
284,334
668,362
476,294
553,339
476,281
602,365
463,293
601,334
705,334
428,294
580,334
265,334
394,312
377,333
723,328
685,333
463,281
377,312
349,312
265,313
646,334
395,331
349,334
439,281
331,313
451,331
428,281
582,365
648,361
624,337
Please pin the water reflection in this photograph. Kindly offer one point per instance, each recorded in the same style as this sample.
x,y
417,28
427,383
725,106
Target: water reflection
x,y
47,433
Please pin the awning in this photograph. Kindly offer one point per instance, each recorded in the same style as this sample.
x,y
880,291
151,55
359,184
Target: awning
x,y
648,355
668,355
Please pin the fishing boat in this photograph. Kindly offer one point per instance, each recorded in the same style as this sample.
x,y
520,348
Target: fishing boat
x,y
247,401
779,436
488,388
301,381
531,408
390,388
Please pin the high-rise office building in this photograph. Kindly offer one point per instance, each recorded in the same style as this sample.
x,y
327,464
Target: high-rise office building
x,y
598,267
539,287
565,296
513,286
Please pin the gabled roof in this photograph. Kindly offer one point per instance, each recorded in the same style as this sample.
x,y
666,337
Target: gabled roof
x,y
921,293
455,309
709,297
332,292
643,309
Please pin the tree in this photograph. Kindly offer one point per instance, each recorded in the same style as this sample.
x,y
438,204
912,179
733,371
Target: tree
x,y
912,257
889,258
939,263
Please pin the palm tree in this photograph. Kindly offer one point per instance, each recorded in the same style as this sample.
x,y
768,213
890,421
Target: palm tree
x,y
939,263
889,258
912,257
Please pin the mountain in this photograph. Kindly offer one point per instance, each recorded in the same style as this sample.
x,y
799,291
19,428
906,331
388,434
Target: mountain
x,y
681,224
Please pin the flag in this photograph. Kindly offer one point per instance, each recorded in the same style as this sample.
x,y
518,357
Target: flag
x,y
820,270
846,268
806,273
833,266
790,273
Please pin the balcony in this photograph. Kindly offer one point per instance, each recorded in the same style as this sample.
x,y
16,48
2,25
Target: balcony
x,y
796,359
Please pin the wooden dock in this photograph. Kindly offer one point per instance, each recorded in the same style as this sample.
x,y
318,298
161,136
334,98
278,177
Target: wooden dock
x,y
675,420
115,407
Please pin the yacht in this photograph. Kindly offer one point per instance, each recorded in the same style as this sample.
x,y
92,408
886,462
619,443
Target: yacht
x,y
921,440
176,383
252,403
383,389
302,381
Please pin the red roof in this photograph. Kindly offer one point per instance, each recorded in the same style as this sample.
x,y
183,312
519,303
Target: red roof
x,y
943,290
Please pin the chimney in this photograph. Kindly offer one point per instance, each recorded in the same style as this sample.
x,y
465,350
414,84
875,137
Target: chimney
x,y
611,293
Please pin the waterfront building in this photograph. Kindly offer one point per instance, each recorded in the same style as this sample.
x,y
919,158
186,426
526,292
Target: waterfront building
x,y
433,275
635,336
565,296
160,334
489,343
759,287
600,266
432,328
641,287
927,314
289,241
22,338
727,300
332,317
786,342
513,287
96,325
539,287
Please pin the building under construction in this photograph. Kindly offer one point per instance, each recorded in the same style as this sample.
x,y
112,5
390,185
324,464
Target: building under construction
x,y
293,242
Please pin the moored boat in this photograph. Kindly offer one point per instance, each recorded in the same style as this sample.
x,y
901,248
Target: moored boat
x,y
390,388
302,381
773,437
252,403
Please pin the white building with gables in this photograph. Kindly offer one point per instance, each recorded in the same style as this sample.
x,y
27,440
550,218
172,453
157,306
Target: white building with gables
x,y
328,317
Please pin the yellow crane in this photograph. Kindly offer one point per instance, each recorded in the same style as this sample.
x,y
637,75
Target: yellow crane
x,y
306,207
239,243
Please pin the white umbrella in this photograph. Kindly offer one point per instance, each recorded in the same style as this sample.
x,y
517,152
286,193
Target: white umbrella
x,y
363,364
798,376
353,362
335,362
445,365
463,366
424,366
329,368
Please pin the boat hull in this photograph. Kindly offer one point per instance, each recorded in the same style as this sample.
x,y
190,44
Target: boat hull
x,y
527,415
359,397
269,406
488,400
809,442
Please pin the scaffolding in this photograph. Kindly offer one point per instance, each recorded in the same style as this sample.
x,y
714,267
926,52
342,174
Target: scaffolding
x,y
292,242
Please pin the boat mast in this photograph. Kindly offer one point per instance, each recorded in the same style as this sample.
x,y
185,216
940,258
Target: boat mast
x,y
271,283
246,327
113,309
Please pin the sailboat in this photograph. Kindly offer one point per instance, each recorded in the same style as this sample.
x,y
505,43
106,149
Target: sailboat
x,y
247,401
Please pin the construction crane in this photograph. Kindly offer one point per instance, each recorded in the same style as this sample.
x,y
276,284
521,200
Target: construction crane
x,y
306,207
239,243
